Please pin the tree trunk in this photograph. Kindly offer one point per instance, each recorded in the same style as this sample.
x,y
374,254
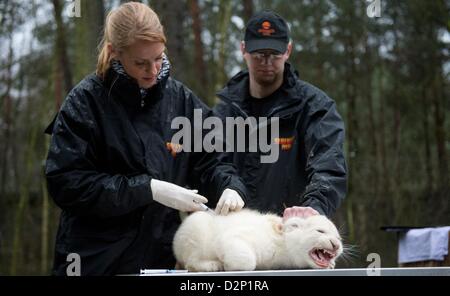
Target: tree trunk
x,y
439,123
349,92
373,138
439,130
225,9
386,184
427,144
88,33
7,104
397,124
61,48
24,196
248,10
61,68
350,95
200,67
172,15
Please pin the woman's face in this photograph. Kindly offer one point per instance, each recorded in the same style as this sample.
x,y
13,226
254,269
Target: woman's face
x,y
142,60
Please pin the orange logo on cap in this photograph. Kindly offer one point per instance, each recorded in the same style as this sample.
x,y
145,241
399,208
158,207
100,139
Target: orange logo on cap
x,y
265,29
266,25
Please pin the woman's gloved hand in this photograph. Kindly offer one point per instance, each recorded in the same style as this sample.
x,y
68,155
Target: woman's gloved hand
x,y
176,197
229,201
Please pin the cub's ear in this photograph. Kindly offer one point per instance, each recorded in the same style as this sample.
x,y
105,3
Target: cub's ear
x,y
278,227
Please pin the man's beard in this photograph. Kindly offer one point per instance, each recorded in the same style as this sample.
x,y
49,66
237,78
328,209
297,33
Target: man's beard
x,y
265,80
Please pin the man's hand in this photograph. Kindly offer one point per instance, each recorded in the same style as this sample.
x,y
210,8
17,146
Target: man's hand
x,y
229,201
303,212
176,197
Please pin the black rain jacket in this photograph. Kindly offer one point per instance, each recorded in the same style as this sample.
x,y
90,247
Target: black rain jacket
x,y
107,144
311,168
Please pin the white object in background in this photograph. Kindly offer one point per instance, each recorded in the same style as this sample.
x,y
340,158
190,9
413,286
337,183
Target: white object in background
x,y
423,244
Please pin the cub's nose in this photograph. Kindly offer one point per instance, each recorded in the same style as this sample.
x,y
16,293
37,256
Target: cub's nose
x,y
334,244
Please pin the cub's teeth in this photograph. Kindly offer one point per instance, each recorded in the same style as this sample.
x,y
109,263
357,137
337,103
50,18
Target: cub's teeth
x,y
320,255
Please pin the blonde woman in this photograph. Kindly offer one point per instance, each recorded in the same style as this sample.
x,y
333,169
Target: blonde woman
x,y
111,166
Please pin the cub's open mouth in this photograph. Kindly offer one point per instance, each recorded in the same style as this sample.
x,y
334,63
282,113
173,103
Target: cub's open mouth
x,y
322,257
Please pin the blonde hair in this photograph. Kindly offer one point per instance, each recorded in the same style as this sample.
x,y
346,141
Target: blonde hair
x,y
131,21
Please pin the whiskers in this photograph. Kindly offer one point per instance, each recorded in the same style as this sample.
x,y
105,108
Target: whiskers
x,y
349,253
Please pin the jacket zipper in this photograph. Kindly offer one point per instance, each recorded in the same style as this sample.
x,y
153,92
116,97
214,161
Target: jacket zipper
x,y
237,107
112,85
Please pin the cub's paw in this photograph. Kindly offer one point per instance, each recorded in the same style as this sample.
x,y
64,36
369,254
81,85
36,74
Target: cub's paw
x,y
332,265
207,266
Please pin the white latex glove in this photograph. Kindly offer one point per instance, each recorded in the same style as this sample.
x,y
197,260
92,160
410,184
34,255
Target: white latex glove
x,y
176,197
230,200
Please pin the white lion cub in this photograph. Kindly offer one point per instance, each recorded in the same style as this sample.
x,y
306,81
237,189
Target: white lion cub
x,y
249,240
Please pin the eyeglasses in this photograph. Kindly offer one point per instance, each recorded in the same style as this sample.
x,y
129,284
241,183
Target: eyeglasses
x,y
261,56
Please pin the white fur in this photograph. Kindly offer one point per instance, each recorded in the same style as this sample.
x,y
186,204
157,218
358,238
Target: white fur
x,y
249,240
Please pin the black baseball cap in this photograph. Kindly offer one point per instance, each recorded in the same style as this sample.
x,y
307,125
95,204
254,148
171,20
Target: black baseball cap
x,y
266,30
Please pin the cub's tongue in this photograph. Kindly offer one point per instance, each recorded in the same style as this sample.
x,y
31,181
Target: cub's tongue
x,y
321,258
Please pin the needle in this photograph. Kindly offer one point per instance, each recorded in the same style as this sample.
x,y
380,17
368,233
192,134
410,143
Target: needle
x,y
205,207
